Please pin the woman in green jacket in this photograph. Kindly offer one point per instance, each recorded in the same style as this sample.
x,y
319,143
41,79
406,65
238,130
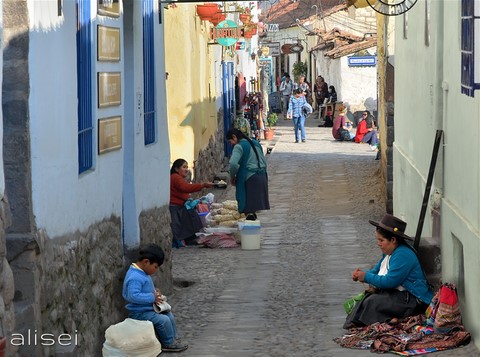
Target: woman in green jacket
x,y
248,172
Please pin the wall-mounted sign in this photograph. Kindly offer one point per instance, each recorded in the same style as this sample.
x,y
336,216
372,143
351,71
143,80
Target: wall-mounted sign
x,y
109,89
108,43
226,33
356,61
272,27
240,45
109,8
273,47
296,48
109,134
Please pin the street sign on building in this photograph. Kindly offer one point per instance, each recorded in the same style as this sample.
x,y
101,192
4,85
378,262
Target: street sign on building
x,y
356,61
272,27
274,48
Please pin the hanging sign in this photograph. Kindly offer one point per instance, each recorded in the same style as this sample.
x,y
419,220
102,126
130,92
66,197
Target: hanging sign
x,y
240,45
226,33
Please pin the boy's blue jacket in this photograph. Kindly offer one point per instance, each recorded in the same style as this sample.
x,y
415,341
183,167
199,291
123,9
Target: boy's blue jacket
x,y
405,270
138,290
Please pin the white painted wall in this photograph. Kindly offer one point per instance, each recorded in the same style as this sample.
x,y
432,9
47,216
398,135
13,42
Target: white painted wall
x,y
356,86
432,100
63,201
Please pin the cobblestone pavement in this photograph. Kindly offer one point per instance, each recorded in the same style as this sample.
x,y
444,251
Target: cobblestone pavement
x,y
286,298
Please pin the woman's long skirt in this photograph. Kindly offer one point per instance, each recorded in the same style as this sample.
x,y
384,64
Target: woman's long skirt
x,y
256,193
383,306
185,223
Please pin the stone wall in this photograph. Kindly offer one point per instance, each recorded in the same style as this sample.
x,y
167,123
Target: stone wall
x,y
81,284
155,228
7,290
211,159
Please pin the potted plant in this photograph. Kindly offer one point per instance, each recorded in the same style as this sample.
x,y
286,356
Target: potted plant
x,y
271,121
299,69
207,11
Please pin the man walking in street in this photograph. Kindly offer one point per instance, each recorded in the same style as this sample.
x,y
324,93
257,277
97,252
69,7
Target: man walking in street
x,y
286,88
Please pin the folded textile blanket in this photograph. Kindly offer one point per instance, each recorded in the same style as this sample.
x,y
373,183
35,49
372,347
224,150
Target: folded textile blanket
x,y
407,337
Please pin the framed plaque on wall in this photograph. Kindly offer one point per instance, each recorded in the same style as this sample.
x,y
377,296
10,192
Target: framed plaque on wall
x,y
108,43
109,8
109,134
109,89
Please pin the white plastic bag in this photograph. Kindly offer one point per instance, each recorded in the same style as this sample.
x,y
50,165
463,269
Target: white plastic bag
x,y
131,338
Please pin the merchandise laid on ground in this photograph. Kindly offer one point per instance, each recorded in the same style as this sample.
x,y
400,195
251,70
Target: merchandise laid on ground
x,y
439,328
224,227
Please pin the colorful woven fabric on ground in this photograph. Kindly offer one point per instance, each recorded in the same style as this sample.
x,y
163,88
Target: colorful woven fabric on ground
x,y
407,337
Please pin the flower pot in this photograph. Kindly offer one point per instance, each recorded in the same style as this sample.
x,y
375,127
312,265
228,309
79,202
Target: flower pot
x,y
268,134
245,18
217,18
206,11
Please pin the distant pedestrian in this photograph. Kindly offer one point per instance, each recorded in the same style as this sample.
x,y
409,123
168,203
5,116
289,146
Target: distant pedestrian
x,y
248,173
332,94
286,88
321,92
295,112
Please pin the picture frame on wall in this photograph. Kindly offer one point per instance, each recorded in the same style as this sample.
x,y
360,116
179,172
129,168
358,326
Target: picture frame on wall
x,y
109,134
109,89
109,8
108,44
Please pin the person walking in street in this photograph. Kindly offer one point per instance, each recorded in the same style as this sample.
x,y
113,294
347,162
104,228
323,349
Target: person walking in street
x,y
185,222
303,85
321,92
248,173
140,293
401,288
286,88
295,112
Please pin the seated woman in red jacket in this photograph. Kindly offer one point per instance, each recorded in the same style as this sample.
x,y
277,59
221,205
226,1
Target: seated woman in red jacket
x,y
185,223
366,131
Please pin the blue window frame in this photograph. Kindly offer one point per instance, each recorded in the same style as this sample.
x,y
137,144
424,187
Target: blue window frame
x,y
148,72
470,18
84,87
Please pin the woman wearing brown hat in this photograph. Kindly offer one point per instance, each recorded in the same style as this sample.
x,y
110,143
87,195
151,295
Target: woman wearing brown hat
x,y
402,288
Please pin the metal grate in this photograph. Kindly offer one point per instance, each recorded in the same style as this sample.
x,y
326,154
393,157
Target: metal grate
x,y
468,21
148,72
84,86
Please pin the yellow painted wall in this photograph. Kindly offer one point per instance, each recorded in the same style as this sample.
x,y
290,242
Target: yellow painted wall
x,y
191,108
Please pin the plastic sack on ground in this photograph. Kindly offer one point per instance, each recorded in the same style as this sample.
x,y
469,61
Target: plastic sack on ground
x,y
131,338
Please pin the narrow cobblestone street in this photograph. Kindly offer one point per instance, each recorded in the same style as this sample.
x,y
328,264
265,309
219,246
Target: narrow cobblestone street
x,y
286,298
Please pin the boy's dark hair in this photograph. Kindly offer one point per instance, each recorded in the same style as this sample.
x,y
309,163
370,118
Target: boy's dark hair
x,y
153,253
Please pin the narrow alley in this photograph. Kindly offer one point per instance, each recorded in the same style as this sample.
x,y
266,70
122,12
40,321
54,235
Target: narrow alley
x,y
286,298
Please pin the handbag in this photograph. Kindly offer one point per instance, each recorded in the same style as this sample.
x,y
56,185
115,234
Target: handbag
x,y
350,303
448,314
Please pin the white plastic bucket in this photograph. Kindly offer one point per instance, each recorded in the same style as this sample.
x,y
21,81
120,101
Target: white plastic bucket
x,y
250,234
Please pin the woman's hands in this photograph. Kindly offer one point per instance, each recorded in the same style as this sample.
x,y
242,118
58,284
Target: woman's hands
x,y
358,275
208,184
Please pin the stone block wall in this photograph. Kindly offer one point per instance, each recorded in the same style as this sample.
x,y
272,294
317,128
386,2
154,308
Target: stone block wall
x,y
81,282
211,159
155,228
7,289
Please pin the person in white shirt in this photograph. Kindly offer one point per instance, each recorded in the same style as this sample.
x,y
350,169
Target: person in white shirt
x,y
286,89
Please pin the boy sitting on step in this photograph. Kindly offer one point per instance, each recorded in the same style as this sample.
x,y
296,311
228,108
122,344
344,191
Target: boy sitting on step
x,y
141,295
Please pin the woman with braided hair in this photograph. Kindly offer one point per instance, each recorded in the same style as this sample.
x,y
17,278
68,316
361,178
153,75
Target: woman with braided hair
x,y
248,172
